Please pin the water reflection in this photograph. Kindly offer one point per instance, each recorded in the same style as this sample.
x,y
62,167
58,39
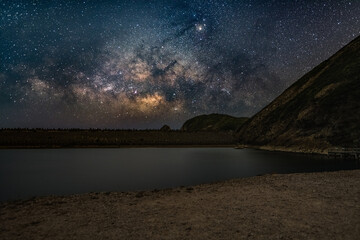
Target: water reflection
x,y
35,172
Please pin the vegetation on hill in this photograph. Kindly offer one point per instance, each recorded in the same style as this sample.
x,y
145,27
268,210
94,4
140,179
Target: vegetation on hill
x,y
213,122
319,111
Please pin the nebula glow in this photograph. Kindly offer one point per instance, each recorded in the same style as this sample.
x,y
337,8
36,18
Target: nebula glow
x,y
142,64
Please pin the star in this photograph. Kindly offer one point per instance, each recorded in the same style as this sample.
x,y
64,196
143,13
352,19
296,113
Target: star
x,y
200,27
141,64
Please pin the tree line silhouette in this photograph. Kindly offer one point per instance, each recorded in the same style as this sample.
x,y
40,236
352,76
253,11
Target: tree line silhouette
x,y
77,137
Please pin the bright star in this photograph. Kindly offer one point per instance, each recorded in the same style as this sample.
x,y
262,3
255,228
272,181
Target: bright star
x,y
199,27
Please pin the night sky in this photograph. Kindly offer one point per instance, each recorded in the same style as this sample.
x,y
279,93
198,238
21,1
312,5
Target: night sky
x,y
142,64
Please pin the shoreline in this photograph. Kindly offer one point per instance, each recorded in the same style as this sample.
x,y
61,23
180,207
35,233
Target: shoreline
x,y
235,146
152,190
123,146
284,149
300,205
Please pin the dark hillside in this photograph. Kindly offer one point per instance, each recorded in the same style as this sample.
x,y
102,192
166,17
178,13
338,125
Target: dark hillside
x,y
213,122
319,111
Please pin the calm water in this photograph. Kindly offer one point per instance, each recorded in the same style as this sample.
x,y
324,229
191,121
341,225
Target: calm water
x,y
36,172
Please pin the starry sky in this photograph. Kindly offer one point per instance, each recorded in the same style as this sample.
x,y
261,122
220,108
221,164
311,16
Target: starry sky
x,y
146,63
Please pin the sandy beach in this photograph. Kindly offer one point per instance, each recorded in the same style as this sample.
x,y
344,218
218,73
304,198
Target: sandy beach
x,y
289,206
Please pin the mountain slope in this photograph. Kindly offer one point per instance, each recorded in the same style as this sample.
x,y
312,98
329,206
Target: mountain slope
x,y
320,110
213,122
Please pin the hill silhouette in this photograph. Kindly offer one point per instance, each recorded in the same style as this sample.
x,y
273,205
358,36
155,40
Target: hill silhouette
x,y
319,111
213,122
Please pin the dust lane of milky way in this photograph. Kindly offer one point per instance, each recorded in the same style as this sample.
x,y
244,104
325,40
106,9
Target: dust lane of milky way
x,y
141,64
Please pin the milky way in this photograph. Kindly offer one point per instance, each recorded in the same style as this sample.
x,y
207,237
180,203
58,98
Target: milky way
x,y
142,64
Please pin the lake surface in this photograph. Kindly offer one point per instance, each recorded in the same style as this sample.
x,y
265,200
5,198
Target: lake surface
x,y
37,172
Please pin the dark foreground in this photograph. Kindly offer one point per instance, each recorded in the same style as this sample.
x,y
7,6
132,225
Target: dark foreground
x,y
292,206
54,138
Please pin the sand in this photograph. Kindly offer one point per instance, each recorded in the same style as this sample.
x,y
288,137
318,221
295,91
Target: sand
x,y
289,206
